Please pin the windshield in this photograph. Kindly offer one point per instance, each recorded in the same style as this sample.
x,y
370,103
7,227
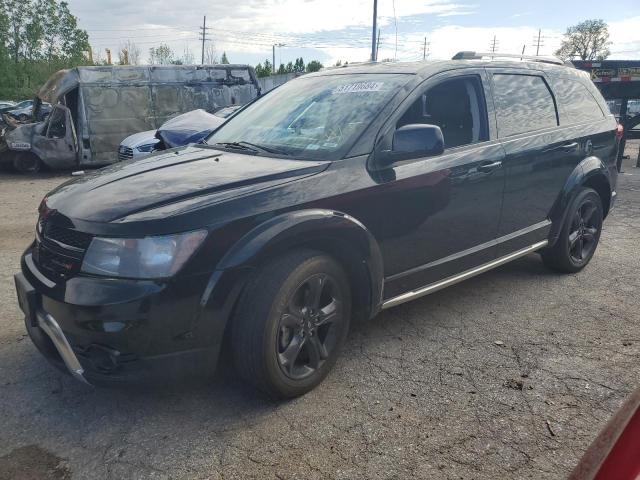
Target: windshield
x,y
311,118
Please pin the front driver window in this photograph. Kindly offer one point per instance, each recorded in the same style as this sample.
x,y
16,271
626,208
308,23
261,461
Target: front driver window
x,y
57,124
456,106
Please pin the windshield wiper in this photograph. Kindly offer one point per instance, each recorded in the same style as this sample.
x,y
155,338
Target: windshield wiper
x,y
237,145
251,147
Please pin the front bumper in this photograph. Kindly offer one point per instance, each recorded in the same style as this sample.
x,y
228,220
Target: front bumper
x,y
110,332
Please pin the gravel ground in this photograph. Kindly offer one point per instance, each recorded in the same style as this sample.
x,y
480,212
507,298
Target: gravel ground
x,y
510,374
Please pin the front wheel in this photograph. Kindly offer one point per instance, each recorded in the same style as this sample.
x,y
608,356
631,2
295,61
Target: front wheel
x,y
580,234
292,320
27,162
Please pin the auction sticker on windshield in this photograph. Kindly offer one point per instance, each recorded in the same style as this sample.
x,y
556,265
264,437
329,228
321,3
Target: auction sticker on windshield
x,y
359,87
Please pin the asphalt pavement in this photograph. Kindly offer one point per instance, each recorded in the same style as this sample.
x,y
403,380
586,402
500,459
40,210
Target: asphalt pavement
x,y
507,375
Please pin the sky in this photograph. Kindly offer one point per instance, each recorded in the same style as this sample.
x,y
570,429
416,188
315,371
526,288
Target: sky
x,y
332,30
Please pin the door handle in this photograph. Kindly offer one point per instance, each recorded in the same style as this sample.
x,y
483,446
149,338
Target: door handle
x,y
489,167
567,147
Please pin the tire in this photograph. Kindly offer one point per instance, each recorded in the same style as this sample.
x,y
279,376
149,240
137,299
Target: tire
x,y
580,234
27,162
291,322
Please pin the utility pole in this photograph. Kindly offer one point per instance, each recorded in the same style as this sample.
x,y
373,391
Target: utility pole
x,y
108,56
374,52
494,45
424,49
377,45
538,43
203,34
273,47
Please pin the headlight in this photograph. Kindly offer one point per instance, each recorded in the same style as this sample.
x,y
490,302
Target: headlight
x,y
149,257
146,148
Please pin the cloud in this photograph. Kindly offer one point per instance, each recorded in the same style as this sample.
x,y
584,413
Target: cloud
x,y
625,38
335,29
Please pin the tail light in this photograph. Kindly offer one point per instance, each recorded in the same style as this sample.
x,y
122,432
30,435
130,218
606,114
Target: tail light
x,y
619,132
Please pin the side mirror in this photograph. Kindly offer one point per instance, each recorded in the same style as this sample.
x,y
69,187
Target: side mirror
x,y
413,141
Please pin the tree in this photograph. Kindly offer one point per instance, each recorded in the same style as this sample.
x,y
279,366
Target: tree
x,y
588,40
161,55
129,53
188,58
37,38
264,71
282,69
298,66
210,54
224,60
289,68
314,66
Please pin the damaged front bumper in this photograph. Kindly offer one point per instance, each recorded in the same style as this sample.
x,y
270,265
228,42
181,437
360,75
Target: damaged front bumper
x,y
36,318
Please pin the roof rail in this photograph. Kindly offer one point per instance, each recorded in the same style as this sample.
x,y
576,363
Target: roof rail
x,y
479,55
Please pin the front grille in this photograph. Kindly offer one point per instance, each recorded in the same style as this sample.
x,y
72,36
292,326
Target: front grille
x,y
67,236
59,250
125,153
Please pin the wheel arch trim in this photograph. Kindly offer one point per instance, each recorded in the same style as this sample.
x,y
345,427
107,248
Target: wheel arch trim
x,y
589,172
324,229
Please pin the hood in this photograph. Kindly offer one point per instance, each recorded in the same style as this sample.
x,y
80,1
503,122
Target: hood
x,y
142,138
129,188
190,127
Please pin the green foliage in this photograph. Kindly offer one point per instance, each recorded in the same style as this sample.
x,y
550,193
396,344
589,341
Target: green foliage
x,y
264,70
224,60
37,38
161,55
314,66
588,40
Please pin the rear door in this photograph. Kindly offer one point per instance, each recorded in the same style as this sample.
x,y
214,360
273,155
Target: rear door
x,y
539,155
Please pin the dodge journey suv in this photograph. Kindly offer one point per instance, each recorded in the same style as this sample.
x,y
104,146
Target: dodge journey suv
x,y
335,196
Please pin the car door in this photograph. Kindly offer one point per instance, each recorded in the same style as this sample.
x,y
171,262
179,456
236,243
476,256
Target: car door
x,y
437,216
539,154
57,146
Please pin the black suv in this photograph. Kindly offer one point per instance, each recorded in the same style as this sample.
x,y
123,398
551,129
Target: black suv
x,y
339,194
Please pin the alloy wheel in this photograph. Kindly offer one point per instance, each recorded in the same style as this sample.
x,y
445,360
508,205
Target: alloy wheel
x,y
309,327
584,232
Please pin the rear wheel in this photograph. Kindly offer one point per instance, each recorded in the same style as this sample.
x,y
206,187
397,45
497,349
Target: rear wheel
x,y
292,320
580,234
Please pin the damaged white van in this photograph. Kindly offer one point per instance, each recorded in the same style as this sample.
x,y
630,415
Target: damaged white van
x,y
96,107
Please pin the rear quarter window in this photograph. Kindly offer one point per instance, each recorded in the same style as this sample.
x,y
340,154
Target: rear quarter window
x,y
578,104
524,103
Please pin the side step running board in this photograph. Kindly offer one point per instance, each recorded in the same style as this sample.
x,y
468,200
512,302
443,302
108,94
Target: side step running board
x,y
434,287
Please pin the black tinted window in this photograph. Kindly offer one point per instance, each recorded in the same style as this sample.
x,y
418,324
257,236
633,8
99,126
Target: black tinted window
x,y
523,104
456,106
578,105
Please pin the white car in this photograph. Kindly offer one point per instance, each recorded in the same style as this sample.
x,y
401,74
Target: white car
x,y
190,127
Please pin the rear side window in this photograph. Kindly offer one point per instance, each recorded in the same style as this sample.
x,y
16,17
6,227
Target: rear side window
x,y
523,104
578,105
